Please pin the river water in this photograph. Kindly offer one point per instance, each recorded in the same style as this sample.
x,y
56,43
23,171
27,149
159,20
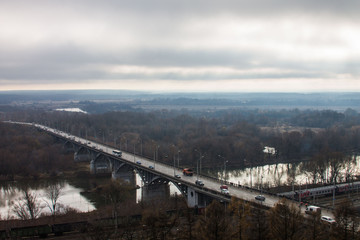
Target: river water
x,y
75,191
12,192
275,175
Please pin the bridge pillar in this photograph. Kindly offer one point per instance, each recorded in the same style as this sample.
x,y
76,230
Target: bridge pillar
x,y
197,199
155,191
92,166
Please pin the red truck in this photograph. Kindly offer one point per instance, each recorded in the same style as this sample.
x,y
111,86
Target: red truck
x,y
188,172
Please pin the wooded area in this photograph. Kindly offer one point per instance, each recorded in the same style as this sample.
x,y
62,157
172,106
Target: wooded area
x,y
25,151
323,138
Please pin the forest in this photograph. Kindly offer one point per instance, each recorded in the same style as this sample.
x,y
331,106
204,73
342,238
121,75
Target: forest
x,y
320,137
28,153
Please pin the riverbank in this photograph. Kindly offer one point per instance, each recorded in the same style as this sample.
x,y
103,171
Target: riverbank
x,y
78,170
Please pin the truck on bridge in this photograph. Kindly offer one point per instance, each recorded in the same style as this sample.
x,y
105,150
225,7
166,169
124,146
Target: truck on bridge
x,y
188,172
117,153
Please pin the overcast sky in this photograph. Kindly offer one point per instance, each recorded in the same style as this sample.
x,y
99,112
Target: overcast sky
x,y
168,45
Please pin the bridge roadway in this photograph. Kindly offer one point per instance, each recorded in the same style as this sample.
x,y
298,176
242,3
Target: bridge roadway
x,y
169,172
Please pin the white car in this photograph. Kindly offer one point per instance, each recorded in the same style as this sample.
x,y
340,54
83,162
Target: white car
x,y
327,219
225,191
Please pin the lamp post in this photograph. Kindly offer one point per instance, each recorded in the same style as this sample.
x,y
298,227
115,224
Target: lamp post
x,y
141,150
173,155
197,164
225,161
156,153
174,163
178,159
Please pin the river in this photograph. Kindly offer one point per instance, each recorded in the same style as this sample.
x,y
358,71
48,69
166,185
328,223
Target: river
x,y
75,191
71,195
274,175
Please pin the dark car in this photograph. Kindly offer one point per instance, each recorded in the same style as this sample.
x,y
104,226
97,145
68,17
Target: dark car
x,y
260,198
151,167
138,162
199,182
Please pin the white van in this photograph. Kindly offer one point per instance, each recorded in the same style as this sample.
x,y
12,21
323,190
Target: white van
x,y
312,210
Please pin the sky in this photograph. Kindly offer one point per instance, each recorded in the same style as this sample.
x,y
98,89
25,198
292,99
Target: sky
x,y
172,46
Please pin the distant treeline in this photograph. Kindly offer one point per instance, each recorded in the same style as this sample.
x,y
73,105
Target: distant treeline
x,y
238,136
101,101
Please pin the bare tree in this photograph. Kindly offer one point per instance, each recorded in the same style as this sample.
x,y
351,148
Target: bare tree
x,y
240,210
28,207
285,222
53,193
116,192
215,225
347,222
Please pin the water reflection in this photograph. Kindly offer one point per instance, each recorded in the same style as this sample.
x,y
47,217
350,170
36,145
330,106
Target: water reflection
x,y
11,193
286,174
77,193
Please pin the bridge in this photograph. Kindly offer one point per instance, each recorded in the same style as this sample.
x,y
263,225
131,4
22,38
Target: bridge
x,y
155,175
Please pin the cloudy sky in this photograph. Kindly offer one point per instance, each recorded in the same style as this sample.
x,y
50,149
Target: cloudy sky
x,y
168,45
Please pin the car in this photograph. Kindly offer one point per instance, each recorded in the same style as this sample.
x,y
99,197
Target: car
x,y
177,176
199,183
151,167
260,198
328,219
138,162
223,187
313,210
225,191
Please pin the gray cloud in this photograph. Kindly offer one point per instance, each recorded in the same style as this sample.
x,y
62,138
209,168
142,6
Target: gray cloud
x,y
75,41
71,63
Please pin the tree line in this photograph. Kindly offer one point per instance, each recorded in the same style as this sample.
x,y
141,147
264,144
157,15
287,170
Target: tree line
x,y
239,136
27,152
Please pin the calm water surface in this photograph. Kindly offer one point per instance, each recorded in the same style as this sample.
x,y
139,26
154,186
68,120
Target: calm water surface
x,y
11,193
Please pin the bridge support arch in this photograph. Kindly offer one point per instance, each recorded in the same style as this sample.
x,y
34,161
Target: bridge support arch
x,y
123,171
69,147
100,164
82,155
